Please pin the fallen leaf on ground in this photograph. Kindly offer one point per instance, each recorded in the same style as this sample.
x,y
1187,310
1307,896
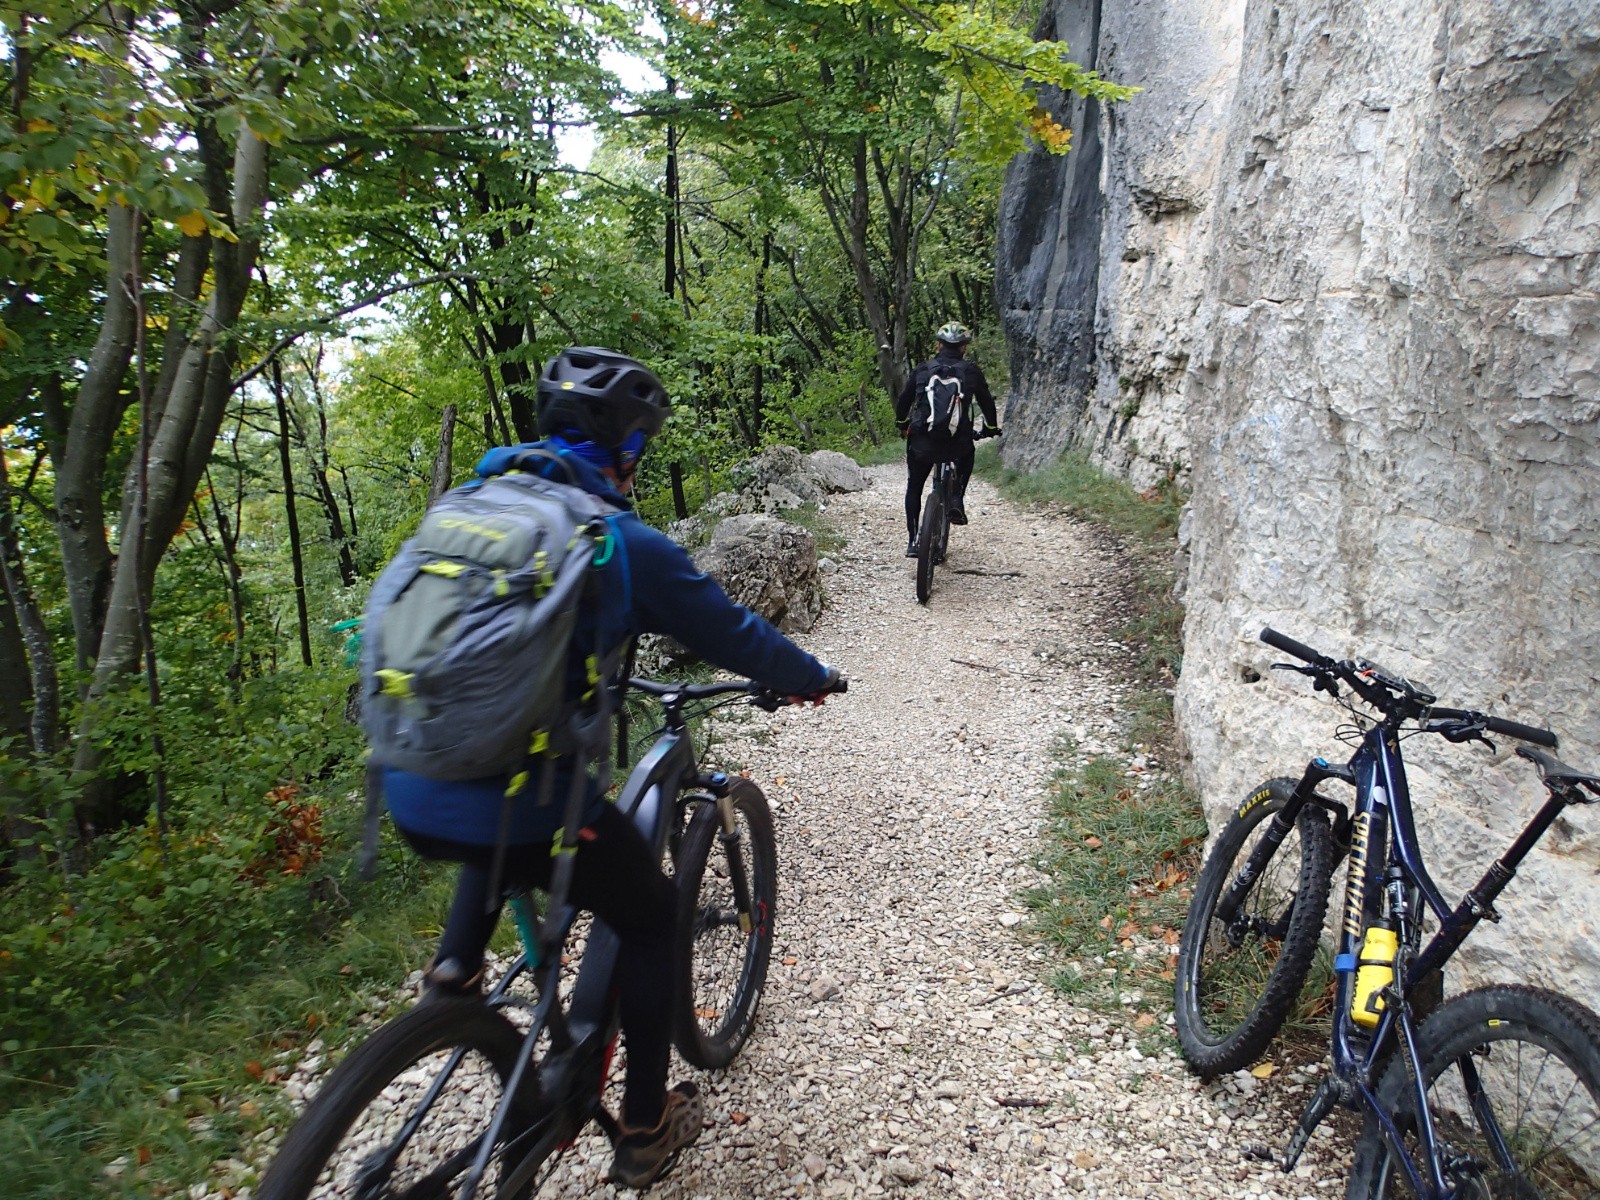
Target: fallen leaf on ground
x,y
1262,1070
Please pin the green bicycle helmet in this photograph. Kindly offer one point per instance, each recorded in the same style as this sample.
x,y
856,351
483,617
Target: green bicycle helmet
x,y
954,334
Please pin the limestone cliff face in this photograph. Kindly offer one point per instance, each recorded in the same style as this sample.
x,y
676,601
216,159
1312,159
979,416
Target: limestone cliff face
x,y
1338,267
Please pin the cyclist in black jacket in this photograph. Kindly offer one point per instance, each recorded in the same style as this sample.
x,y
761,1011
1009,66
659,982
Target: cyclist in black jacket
x,y
925,447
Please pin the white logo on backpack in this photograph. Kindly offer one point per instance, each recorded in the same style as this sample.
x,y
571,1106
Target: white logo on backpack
x,y
945,404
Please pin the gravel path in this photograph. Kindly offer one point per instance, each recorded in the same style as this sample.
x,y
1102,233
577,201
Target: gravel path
x,y
908,1041
906,1005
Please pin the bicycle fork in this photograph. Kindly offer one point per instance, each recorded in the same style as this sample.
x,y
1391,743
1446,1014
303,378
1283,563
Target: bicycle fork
x,y
1278,829
721,787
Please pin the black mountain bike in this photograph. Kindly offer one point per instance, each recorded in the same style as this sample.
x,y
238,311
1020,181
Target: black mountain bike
x,y
471,1098
933,531
1495,1092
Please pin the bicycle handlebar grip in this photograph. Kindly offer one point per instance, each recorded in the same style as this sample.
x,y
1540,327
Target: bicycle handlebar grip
x,y
1527,733
1288,645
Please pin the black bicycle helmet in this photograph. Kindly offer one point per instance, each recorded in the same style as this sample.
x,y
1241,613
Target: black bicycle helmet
x,y
600,395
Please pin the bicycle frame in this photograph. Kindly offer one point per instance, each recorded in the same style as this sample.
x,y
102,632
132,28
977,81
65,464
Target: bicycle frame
x,y
1386,871
583,1037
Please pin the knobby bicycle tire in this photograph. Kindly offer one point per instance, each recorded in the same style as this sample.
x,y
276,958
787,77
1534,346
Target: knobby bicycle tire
x,y
1236,984
928,545
724,936
1497,1040
372,1095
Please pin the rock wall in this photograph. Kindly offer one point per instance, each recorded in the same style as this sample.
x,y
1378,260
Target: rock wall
x,y
1343,259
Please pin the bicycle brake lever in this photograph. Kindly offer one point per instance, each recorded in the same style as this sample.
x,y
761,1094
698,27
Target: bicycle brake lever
x,y
1464,732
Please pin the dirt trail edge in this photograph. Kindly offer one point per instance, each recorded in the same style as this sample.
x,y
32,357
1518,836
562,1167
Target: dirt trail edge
x,y
909,1040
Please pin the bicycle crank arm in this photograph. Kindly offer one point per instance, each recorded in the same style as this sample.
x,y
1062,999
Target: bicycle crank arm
x,y
1323,1101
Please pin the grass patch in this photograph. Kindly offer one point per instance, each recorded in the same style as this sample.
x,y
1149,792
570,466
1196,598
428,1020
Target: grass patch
x,y
185,1086
890,450
1121,847
1124,835
816,522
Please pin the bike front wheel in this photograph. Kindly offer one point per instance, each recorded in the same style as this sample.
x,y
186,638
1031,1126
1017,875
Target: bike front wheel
x,y
1240,972
727,899
930,545
404,1116
1513,1085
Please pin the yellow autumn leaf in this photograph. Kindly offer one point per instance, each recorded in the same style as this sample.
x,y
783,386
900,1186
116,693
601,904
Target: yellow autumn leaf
x,y
40,125
1262,1070
193,223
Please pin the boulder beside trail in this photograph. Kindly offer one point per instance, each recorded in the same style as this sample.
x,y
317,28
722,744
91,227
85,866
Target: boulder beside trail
x,y
777,479
837,472
767,565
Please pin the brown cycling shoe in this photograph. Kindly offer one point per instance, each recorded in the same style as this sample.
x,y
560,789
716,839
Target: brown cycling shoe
x,y
451,980
644,1155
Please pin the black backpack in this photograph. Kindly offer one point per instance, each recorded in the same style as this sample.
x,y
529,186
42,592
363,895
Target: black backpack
x,y
942,404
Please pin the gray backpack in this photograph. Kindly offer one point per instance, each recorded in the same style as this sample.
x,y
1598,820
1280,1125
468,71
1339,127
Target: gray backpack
x,y
468,630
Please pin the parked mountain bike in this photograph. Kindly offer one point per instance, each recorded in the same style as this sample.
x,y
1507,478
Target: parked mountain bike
x,y
933,531
464,1098
1495,1092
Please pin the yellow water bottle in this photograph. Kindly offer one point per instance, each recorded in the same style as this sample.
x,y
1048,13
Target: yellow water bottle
x,y
1374,972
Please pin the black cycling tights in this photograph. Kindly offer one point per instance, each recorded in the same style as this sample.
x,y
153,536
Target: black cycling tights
x,y
615,876
918,468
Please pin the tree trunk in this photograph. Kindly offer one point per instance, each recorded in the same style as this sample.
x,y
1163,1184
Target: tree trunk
x,y
27,656
296,557
763,325
184,426
442,465
228,552
79,448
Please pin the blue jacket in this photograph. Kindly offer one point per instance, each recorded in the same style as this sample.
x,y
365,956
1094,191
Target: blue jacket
x,y
649,585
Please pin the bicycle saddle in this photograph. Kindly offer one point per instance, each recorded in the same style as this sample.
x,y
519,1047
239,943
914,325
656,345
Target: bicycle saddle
x,y
1556,771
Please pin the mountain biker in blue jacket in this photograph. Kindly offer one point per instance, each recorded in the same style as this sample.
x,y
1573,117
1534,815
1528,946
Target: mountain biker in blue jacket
x,y
598,410
926,448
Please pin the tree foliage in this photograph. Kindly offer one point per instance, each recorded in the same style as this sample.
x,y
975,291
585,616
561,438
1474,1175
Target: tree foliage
x,y
259,255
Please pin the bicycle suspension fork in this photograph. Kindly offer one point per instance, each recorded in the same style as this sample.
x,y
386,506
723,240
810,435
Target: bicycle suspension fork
x,y
720,786
1278,829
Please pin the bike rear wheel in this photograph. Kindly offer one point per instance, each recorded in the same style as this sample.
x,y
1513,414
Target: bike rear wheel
x,y
930,545
1513,1085
727,898
403,1117
1238,978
